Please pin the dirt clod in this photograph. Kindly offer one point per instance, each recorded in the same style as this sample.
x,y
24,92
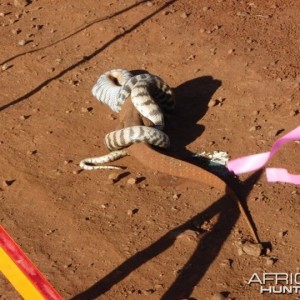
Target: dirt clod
x,y
252,249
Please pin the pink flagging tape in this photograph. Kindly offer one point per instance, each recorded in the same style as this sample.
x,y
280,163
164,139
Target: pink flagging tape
x,y
22,273
257,161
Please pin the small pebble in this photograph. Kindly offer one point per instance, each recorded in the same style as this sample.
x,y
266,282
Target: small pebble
x,y
148,292
4,67
23,118
6,183
212,103
21,3
104,206
205,8
22,42
294,113
254,128
252,249
231,51
226,263
131,212
38,27
270,261
113,177
16,31
282,234
217,296
86,109
176,196
149,3
191,57
184,15
31,152
131,181
275,132
75,172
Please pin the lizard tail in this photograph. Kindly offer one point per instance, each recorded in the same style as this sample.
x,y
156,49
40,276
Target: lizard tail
x,y
175,167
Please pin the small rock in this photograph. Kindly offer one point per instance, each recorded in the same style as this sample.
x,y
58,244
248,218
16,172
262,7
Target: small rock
x,y
294,112
113,177
159,286
189,235
254,128
2,14
5,67
104,206
212,103
226,263
252,249
75,172
149,3
184,15
270,261
66,162
21,3
218,296
275,132
213,50
131,181
205,8
38,27
6,183
31,152
131,212
86,109
176,196
24,117
231,51
16,31
283,233
22,42
148,292
202,30
191,57
255,112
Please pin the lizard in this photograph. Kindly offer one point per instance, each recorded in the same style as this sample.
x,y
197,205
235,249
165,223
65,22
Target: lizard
x,y
141,150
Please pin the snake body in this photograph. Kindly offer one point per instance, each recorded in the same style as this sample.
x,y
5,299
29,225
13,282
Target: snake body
x,y
149,94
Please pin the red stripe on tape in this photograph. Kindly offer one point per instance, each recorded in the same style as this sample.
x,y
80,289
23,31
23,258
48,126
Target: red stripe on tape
x,y
27,267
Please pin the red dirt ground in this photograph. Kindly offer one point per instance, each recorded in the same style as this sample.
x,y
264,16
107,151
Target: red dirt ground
x,y
78,228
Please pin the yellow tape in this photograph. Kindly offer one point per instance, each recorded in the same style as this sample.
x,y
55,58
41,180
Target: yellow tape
x,y
17,278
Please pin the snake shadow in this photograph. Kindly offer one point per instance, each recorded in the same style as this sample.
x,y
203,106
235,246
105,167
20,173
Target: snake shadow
x,y
192,99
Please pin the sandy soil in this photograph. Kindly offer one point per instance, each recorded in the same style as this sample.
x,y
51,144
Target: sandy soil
x,y
162,237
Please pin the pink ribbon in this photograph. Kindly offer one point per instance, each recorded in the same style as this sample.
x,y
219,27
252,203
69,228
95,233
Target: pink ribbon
x,y
257,161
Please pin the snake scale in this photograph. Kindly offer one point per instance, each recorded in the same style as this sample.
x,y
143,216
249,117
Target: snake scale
x,y
116,89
